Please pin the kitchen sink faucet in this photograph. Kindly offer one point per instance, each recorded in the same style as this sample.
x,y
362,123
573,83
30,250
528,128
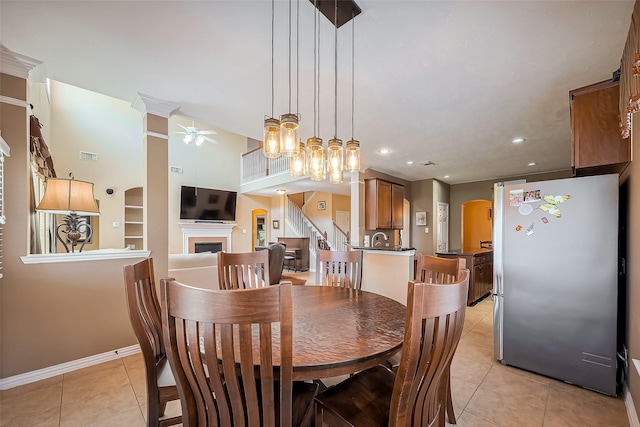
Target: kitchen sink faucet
x,y
375,236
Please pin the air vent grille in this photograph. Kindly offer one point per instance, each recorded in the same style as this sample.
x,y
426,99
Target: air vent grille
x,y
427,163
175,169
85,155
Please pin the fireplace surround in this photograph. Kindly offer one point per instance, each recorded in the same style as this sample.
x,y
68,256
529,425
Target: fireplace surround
x,y
202,232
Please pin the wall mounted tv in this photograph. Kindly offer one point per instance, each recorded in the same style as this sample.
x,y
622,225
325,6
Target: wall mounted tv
x,y
207,204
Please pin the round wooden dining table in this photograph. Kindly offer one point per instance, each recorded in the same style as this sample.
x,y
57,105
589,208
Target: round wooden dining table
x,y
339,331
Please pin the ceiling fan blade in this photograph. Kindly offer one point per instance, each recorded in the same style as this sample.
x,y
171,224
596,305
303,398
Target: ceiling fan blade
x,y
207,132
181,133
183,127
209,139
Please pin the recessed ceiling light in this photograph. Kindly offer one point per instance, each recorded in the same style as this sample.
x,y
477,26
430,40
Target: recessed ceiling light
x,y
384,151
517,140
446,176
532,164
410,162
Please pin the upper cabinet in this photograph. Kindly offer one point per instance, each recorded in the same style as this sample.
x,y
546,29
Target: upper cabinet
x,y
383,204
596,144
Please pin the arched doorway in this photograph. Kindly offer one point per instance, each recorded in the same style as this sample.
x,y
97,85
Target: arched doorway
x,y
259,227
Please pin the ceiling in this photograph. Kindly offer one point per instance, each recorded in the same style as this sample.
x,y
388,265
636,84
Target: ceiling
x,y
450,82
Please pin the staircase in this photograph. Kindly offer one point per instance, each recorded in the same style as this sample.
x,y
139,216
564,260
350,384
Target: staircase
x,y
303,226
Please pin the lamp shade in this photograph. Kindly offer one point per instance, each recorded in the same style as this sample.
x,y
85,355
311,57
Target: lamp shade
x,y
65,196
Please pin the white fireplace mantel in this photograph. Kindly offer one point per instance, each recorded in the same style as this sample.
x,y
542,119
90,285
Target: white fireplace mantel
x,y
205,229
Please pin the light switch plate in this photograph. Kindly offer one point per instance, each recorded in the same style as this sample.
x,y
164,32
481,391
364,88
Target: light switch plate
x,y
426,230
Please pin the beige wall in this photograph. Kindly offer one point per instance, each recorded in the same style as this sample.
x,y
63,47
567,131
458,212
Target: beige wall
x,y
82,120
56,313
211,166
421,198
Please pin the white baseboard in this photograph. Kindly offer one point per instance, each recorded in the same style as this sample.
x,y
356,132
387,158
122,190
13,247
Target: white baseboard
x,y
631,409
63,368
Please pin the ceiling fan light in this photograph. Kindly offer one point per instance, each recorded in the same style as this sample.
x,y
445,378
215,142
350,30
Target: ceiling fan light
x,y
199,139
353,155
271,144
289,135
187,138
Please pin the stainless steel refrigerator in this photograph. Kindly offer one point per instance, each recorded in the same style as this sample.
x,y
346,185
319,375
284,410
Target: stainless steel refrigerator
x,y
555,278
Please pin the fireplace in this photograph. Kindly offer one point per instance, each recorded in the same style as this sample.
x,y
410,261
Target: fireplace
x,y
205,233
207,247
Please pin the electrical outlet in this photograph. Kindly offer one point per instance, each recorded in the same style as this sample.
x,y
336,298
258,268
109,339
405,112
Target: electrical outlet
x,y
426,230
116,224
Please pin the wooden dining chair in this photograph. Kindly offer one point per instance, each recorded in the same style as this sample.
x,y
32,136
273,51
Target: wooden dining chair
x,y
245,270
339,268
232,355
144,313
433,269
414,395
438,270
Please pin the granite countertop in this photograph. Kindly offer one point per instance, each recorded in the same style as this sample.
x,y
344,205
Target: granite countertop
x,y
466,251
383,248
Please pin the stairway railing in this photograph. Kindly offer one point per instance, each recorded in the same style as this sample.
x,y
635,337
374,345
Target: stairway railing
x,y
339,238
256,166
303,226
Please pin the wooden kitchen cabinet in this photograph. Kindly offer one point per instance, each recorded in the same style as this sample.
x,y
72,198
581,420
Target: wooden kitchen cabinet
x,y
383,204
480,265
596,144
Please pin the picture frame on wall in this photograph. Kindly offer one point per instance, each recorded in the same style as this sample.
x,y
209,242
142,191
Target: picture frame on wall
x,y
421,218
276,224
322,205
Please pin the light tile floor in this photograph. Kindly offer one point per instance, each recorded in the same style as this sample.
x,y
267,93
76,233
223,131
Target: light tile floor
x,y
485,393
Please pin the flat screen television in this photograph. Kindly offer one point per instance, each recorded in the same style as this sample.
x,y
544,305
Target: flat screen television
x,y
207,204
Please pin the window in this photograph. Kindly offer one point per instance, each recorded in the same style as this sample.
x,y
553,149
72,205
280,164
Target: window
x,y
4,151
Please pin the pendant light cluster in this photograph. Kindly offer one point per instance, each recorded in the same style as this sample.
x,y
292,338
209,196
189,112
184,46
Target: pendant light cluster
x,y
282,137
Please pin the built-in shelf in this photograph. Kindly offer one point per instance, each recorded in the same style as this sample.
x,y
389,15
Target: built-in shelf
x,y
134,218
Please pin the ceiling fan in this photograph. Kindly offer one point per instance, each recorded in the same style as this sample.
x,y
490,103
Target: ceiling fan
x,y
192,134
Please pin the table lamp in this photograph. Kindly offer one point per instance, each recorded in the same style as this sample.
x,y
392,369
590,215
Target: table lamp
x,y
72,198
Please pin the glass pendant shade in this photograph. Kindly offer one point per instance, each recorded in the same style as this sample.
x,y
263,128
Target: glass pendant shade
x,y
335,160
353,156
289,135
315,159
298,163
271,144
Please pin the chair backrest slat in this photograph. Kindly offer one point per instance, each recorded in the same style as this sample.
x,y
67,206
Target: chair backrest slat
x,y
215,339
435,317
247,270
432,269
339,268
144,309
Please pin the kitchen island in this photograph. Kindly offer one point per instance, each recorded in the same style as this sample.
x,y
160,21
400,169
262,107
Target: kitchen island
x,y
480,264
387,271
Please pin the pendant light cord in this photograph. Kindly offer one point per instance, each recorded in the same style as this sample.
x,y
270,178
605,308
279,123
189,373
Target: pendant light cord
x,y
290,55
353,34
298,57
273,6
335,50
315,68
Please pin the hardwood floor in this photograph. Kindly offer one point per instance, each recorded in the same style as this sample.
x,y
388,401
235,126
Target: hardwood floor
x,y
485,393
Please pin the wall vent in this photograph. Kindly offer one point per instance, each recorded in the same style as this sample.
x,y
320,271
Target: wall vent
x,y
85,155
427,163
175,169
